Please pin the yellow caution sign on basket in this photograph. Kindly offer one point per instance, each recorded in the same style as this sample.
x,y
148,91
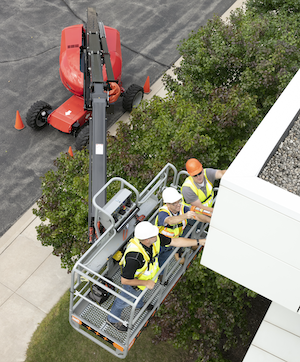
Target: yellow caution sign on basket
x,y
118,255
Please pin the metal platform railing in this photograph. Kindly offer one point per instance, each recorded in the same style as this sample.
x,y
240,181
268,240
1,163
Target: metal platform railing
x,y
100,266
89,318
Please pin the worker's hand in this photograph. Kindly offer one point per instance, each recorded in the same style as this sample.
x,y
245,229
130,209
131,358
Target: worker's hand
x,y
150,284
190,215
202,241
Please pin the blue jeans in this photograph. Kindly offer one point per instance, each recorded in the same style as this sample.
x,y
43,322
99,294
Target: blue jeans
x,y
185,231
189,226
119,304
164,253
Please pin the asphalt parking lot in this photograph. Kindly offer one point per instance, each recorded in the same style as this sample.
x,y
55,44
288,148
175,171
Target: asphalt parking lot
x,y
30,44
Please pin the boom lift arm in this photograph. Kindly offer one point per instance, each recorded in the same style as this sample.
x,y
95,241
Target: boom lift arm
x,y
99,267
95,57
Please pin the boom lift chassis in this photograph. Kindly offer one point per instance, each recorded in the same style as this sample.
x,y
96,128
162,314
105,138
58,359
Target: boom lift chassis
x,y
117,217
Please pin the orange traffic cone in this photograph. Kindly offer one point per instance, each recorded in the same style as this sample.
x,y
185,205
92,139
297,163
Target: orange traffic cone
x,y
70,152
19,123
147,85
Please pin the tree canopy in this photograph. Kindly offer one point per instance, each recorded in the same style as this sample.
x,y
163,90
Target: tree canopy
x,y
230,76
277,6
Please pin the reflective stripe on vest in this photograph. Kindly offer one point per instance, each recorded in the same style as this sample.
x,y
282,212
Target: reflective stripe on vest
x,y
148,270
205,200
175,230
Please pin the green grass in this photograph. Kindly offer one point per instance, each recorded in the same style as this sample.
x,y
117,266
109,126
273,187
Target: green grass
x,y
55,340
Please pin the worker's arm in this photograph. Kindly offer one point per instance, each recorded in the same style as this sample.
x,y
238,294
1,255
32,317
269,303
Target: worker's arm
x,y
174,220
202,218
219,174
198,203
134,261
182,242
136,282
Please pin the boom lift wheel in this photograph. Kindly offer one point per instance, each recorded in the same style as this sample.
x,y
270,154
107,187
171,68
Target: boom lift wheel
x,y
37,115
132,97
82,139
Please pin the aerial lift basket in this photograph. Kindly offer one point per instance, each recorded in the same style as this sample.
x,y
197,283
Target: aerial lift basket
x,y
98,266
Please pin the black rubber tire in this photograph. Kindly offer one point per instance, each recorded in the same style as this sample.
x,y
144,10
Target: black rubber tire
x,y
83,138
37,115
132,97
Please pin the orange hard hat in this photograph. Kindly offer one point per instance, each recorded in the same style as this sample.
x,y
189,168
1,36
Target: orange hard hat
x,y
193,166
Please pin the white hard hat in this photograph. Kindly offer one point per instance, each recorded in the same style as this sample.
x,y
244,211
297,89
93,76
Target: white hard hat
x,y
171,195
145,230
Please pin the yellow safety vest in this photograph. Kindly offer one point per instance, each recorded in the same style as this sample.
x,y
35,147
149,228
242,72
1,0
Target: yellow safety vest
x,y
147,271
173,231
206,200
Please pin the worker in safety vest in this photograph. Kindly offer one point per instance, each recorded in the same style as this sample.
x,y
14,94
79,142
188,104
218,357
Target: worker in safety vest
x,y
197,189
173,218
140,266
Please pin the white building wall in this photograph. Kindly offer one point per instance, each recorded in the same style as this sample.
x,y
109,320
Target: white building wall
x,y
278,338
254,236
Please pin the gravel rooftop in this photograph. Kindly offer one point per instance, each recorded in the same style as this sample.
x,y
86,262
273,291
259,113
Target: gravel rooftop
x,y
283,169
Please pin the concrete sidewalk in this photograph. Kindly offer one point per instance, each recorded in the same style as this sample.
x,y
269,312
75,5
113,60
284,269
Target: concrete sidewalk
x,y
31,279
31,283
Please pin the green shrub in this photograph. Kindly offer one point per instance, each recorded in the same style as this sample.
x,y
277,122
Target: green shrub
x,y
278,6
258,53
175,129
63,208
205,313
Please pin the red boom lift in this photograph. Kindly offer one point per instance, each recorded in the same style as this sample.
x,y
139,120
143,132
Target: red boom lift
x,y
73,116
98,269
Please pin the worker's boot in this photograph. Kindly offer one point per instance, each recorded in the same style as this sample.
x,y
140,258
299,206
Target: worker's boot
x,y
177,257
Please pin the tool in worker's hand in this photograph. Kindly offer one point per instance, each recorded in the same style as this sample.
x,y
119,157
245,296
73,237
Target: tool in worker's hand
x,y
200,211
